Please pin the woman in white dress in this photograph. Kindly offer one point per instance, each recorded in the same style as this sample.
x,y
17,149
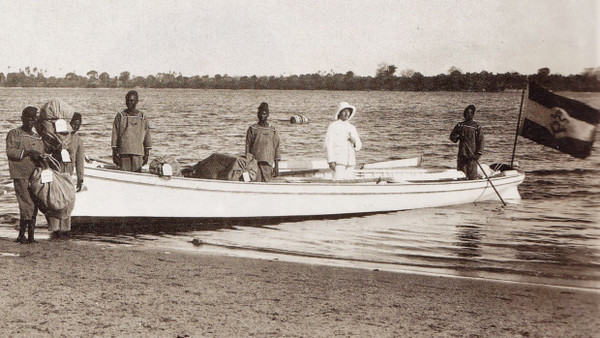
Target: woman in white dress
x,y
342,142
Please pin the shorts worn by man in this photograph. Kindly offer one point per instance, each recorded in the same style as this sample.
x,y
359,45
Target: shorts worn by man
x,y
131,141
262,141
22,146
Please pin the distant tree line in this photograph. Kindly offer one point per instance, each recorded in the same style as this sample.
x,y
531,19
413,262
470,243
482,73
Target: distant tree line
x,y
385,79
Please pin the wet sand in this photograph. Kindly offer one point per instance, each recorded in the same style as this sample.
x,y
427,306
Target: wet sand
x,y
77,288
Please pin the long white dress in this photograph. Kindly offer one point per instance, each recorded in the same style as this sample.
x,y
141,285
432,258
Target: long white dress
x,y
340,149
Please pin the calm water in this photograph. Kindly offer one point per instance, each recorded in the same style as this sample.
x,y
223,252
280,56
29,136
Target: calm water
x,y
552,237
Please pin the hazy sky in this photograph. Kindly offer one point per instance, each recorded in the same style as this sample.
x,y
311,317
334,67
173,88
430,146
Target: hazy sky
x,y
298,37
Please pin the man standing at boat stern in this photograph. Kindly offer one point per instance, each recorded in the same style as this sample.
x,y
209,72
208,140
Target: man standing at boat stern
x,y
131,141
262,141
470,147
23,146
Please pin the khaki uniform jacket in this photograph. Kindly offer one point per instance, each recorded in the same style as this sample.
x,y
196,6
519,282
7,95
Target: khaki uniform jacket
x,y
263,143
131,133
17,142
470,136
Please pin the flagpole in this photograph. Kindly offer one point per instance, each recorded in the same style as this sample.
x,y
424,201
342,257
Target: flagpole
x,y
512,159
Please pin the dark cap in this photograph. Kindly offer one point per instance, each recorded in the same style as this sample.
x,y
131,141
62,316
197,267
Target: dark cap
x,y
263,107
29,112
470,107
132,92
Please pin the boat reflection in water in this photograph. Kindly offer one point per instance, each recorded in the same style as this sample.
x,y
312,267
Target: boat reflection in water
x,y
469,240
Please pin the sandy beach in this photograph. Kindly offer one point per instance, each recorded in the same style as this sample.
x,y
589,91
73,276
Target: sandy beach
x,y
75,288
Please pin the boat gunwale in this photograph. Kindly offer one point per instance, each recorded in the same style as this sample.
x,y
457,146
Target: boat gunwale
x,y
498,181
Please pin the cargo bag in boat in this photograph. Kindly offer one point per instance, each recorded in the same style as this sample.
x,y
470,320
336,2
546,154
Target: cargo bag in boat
x,y
159,166
55,198
226,167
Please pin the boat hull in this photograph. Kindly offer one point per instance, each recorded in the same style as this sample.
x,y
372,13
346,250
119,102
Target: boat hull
x,y
112,193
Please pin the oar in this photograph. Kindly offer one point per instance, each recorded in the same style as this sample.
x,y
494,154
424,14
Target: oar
x,y
93,158
302,172
485,174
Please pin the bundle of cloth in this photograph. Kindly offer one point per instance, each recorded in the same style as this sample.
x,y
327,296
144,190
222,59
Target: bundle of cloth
x,y
159,164
54,128
226,167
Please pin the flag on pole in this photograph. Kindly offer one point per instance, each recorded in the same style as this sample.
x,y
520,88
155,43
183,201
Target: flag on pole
x,y
555,121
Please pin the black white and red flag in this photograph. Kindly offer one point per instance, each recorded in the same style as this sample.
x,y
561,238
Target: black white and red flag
x,y
559,122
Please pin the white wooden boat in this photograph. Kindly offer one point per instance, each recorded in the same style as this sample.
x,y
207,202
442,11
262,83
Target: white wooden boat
x,y
111,193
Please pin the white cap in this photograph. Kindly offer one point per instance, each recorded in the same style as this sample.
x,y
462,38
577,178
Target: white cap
x,y
342,106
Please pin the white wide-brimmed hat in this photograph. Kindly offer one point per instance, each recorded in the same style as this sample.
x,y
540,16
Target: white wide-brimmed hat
x,y
342,106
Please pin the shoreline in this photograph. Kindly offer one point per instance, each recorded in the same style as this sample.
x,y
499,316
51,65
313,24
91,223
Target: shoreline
x,y
240,252
76,288
371,266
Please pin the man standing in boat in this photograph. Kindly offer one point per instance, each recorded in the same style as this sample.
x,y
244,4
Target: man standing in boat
x,y
342,143
470,147
23,146
262,141
131,141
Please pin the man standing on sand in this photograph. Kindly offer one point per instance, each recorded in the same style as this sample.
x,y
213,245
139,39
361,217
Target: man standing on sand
x,y
262,141
470,147
23,146
131,141
76,151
